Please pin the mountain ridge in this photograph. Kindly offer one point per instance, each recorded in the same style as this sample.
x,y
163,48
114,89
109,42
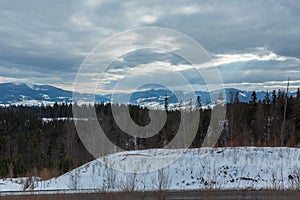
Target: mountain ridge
x,y
23,93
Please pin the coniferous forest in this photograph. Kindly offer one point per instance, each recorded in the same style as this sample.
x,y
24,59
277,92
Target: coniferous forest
x,y
42,141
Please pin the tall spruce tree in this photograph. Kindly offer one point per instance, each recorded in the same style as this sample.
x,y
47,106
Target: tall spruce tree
x,y
253,98
274,97
198,102
166,103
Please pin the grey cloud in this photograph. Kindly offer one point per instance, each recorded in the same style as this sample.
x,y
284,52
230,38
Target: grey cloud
x,y
259,72
50,38
146,56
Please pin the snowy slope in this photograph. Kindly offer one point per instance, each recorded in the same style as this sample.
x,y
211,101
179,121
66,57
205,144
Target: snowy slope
x,y
219,168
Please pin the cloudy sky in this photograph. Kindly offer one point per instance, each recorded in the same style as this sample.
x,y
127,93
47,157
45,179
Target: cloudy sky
x,y
254,44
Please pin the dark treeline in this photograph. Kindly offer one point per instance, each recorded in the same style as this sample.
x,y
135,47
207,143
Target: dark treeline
x,y
31,146
43,141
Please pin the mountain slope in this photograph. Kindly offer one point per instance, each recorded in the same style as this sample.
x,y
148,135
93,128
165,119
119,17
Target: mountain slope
x,y
12,93
21,93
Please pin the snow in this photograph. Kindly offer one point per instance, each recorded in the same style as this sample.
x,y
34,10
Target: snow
x,y
17,184
31,102
46,96
217,168
243,94
46,119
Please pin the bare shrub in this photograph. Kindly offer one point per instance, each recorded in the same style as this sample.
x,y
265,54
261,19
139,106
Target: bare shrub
x,y
109,178
163,178
28,183
74,179
294,179
130,183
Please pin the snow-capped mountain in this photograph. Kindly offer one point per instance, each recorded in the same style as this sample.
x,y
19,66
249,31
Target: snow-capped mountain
x,y
21,93
156,97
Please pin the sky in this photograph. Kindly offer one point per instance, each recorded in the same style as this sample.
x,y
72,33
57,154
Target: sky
x,y
254,44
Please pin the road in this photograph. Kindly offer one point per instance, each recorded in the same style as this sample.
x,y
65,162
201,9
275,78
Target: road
x,y
230,194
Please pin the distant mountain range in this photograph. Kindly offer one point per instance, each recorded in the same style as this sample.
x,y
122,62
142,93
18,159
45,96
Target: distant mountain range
x,y
21,93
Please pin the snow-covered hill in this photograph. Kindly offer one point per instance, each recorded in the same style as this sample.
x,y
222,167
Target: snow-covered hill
x,y
218,168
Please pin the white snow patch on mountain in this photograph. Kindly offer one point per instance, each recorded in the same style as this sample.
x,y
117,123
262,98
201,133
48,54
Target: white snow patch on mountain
x,y
45,96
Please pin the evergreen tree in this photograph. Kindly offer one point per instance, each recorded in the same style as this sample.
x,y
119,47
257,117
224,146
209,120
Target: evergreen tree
x,y
231,96
166,103
274,97
266,118
236,98
198,102
180,104
280,94
267,98
253,98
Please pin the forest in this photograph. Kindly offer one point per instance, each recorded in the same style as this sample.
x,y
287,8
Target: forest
x,y
42,141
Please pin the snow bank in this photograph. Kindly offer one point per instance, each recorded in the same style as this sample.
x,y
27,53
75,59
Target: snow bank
x,y
218,168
